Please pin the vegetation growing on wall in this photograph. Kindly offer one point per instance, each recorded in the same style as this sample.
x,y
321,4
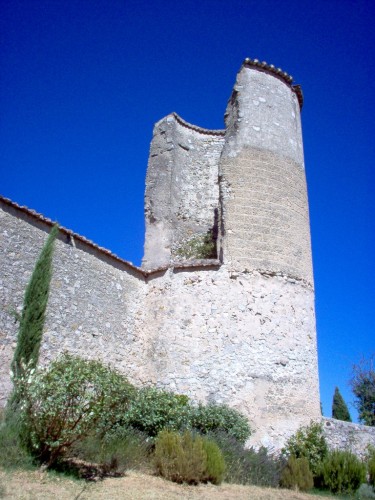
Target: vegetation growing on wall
x,y
200,246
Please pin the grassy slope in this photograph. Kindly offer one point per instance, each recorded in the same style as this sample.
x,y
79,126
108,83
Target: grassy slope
x,y
37,485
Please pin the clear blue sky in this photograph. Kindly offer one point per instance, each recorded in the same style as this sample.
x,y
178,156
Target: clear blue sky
x,y
83,81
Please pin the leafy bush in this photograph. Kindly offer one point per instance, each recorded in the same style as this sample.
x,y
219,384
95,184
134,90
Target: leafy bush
x,y
342,472
187,458
216,418
308,442
248,466
116,451
297,474
153,410
67,401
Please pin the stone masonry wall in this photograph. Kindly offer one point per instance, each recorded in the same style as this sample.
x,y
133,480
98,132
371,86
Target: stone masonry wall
x,y
348,436
266,214
182,192
244,339
208,332
94,307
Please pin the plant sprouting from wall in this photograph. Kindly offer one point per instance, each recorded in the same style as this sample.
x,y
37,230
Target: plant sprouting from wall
x,y
200,246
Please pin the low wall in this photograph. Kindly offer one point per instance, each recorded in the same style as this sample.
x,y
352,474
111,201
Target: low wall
x,y
348,436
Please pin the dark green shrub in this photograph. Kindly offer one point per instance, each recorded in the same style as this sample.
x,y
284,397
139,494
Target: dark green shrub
x,y
181,459
67,401
188,458
34,309
12,455
297,474
220,418
371,466
339,408
248,466
308,442
31,321
116,451
215,464
342,472
153,410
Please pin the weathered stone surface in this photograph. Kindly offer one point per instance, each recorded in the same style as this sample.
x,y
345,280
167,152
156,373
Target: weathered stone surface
x,y
182,188
238,338
348,436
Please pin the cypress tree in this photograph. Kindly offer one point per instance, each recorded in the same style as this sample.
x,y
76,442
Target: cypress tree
x,y
339,409
34,309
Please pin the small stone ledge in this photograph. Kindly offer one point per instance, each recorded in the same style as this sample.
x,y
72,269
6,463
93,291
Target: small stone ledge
x,y
283,75
342,435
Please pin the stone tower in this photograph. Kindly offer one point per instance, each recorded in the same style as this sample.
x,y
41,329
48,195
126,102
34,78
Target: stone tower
x,y
265,221
247,324
223,308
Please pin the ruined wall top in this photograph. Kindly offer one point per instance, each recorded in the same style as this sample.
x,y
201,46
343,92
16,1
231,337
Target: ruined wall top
x,y
278,72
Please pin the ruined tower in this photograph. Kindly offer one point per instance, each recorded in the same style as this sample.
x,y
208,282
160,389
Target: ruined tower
x,y
223,307
249,321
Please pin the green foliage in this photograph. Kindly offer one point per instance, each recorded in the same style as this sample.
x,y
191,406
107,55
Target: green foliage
x,y
118,450
339,409
212,417
363,387
215,464
248,466
67,401
183,458
371,466
34,309
12,455
342,472
308,442
153,410
297,474
201,246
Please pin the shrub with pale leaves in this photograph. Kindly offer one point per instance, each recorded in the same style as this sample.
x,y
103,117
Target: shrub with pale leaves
x,y
65,402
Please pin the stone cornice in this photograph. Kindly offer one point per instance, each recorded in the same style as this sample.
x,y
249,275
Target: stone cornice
x,y
278,72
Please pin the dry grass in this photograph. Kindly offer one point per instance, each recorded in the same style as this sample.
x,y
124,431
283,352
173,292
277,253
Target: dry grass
x,y
39,485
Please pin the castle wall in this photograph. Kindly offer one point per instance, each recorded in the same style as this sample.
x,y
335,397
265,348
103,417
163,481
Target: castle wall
x,y
93,309
182,192
348,436
238,338
238,330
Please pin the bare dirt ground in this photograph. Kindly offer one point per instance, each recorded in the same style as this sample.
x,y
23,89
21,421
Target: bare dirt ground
x,y
37,485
